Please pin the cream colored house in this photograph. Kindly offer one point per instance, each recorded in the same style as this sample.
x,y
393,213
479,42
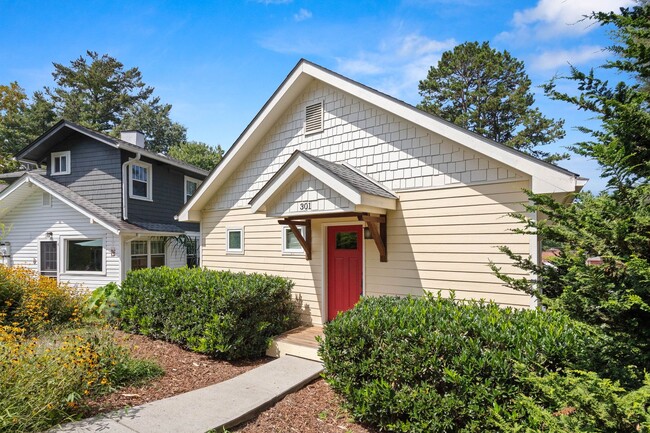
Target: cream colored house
x,y
349,192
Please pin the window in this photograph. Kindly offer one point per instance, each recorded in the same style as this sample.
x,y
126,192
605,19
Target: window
x,y
60,163
140,181
235,240
346,241
157,254
139,254
191,185
290,243
47,199
147,254
85,255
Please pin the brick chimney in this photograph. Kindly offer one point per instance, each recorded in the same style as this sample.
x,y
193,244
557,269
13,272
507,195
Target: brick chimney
x,y
133,137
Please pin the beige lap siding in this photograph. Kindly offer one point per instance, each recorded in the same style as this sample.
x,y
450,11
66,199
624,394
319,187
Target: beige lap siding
x,y
444,239
438,239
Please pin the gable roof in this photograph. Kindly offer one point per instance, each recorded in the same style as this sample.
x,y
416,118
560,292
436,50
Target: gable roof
x,y
344,179
19,190
37,149
546,178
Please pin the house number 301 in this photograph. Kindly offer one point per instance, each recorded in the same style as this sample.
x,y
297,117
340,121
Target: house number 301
x,y
305,205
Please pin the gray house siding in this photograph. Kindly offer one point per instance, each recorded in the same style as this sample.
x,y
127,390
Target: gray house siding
x,y
168,194
95,172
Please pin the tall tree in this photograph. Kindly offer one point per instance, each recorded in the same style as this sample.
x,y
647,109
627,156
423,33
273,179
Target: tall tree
x,y
197,153
488,92
21,121
615,225
152,118
96,91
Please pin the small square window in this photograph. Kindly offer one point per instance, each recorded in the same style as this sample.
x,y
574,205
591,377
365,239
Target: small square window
x,y
140,181
290,243
60,163
191,185
235,240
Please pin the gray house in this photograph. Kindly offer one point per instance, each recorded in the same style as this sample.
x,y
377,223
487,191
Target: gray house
x,y
102,207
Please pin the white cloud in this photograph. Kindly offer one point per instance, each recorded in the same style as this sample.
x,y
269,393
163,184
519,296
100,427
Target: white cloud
x,y
555,59
558,18
398,64
303,14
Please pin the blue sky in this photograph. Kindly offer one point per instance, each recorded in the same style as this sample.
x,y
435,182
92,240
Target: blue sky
x,y
217,62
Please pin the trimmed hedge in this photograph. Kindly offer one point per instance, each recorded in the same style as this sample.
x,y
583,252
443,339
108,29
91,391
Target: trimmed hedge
x,y
224,314
438,365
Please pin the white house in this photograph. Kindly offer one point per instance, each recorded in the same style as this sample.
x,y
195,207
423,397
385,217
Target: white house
x,y
102,207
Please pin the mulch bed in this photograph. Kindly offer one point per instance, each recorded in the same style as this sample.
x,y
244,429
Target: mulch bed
x,y
313,409
184,371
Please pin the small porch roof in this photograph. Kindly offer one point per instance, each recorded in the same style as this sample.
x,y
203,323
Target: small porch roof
x,y
365,193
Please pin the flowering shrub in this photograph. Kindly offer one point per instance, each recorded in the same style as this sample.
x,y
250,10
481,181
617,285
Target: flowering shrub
x,y
33,302
44,381
45,374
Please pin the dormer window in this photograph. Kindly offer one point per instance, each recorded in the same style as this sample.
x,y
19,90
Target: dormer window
x,y
140,181
60,163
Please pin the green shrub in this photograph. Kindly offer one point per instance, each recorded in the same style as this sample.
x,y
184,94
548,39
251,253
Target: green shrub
x,y
103,303
224,314
574,401
437,365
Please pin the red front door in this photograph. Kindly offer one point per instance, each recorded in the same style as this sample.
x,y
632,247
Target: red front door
x,y
344,268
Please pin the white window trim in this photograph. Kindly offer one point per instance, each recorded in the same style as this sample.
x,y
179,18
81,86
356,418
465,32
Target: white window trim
x,y
292,251
234,250
148,253
149,169
64,247
66,154
189,179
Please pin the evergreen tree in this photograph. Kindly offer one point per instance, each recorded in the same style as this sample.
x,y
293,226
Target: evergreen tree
x,y
197,153
96,92
152,118
488,92
615,225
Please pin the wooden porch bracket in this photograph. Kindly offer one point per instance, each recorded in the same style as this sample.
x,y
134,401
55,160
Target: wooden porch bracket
x,y
377,227
305,242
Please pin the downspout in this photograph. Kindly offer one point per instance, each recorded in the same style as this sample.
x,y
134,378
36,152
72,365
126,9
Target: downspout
x,y
125,185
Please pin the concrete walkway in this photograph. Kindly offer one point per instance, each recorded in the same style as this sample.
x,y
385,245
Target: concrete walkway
x,y
218,406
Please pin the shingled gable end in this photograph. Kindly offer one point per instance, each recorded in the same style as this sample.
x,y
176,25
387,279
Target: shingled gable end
x,y
374,198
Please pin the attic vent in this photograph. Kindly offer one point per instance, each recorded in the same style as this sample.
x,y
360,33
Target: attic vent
x,y
314,118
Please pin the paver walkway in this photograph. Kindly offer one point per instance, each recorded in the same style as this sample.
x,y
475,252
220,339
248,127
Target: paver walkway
x,y
217,406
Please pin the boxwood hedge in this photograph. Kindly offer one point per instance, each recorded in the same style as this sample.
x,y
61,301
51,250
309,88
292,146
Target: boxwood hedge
x,y
438,365
224,314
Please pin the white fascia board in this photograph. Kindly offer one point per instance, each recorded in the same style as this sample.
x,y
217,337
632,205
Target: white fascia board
x,y
554,179
75,207
288,172
255,131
